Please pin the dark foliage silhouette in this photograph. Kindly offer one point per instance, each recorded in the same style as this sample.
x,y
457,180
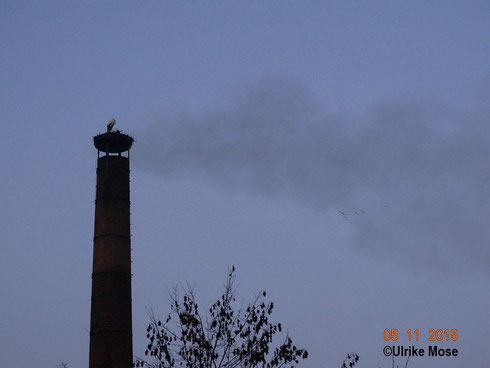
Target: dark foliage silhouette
x,y
350,361
222,337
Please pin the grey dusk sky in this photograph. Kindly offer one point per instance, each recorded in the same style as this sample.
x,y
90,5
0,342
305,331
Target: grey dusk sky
x,y
336,152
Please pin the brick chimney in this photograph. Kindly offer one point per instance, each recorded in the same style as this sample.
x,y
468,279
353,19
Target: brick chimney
x,y
111,341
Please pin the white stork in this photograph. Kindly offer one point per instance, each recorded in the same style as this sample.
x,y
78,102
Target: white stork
x,y
110,124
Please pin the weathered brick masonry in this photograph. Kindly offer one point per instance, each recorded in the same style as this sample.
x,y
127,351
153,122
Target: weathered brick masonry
x,y
111,319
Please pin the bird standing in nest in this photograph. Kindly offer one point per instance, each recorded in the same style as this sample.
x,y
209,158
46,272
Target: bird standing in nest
x,y
110,124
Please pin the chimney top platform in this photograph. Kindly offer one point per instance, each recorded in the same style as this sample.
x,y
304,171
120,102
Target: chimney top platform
x,y
113,142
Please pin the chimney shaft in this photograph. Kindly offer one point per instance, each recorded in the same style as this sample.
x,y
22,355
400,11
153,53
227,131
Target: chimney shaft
x,y
111,318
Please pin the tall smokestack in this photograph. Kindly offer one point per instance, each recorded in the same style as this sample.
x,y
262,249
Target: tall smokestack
x,y
111,341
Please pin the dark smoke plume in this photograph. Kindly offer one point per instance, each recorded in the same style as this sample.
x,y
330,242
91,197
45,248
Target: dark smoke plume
x,y
413,178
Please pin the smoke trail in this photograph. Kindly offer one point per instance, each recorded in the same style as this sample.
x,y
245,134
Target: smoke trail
x,y
412,177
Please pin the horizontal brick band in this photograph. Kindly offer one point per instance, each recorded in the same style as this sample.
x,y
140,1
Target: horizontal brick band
x,y
112,331
111,198
105,272
116,235
111,296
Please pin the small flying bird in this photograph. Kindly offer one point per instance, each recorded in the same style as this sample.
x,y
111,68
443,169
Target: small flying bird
x,y
110,124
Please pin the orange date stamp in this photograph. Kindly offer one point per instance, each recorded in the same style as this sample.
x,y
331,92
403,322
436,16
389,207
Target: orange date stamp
x,y
414,335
